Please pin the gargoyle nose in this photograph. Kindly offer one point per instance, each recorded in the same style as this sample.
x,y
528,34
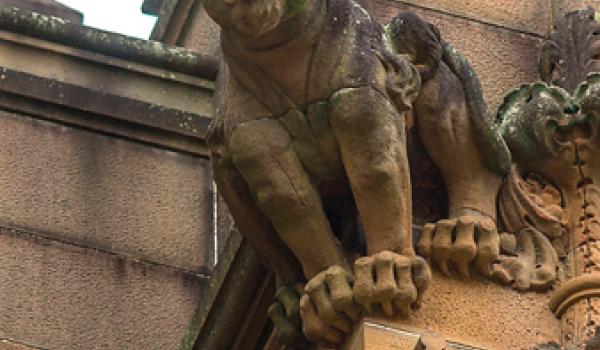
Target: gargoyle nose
x,y
572,108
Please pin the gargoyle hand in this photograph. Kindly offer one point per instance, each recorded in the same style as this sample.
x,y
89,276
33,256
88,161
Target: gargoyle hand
x,y
532,264
465,240
392,282
327,308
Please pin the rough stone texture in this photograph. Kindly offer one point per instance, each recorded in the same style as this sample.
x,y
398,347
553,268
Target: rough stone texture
x,y
115,195
531,16
59,296
203,35
151,53
9,345
503,59
483,314
49,7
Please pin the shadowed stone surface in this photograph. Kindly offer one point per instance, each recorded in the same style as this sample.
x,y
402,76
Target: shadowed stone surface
x,y
69,298
115,195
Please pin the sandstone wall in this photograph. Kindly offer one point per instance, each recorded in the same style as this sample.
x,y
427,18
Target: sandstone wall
x,y
107,210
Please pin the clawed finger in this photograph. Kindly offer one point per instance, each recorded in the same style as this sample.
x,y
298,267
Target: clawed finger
x,y
421,275
363,284
441,246
464,249
314,328
286,331
426,241
407,292
290,299
488,246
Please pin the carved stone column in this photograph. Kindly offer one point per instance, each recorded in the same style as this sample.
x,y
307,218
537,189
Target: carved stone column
x,y
576,301
568,60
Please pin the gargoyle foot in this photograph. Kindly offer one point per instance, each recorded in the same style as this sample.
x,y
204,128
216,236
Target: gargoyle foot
x,y
391,282
327,308
465,240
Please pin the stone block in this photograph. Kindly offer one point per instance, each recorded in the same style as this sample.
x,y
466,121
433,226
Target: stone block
x,y
59,296
115,195
530,16
482,314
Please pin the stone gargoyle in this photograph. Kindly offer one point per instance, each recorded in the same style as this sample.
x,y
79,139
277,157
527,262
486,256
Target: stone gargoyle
x,y
309,152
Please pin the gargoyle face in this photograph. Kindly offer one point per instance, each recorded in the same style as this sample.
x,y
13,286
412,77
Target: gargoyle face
x,y
557,136
252,18
256,17
534,119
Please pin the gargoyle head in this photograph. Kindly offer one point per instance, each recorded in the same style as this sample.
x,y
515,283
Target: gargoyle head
x,y
531,119
541,121
556,135
252,18
418,39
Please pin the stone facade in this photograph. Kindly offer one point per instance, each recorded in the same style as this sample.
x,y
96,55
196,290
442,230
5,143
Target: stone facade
x,y
108,234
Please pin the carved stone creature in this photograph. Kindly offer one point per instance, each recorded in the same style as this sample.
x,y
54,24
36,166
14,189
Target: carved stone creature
x,y
458,135
310,132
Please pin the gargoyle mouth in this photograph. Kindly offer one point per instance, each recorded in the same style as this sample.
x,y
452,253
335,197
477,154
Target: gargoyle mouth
x,y
257,17
572,131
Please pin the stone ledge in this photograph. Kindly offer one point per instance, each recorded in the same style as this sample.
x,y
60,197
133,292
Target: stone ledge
x,y
378,335
144,51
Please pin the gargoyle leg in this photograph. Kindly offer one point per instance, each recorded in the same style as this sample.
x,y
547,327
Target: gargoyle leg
x,y
257,229
262,151
372,141
447,133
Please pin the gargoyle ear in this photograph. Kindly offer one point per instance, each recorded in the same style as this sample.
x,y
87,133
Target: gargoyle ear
x,y
548,62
